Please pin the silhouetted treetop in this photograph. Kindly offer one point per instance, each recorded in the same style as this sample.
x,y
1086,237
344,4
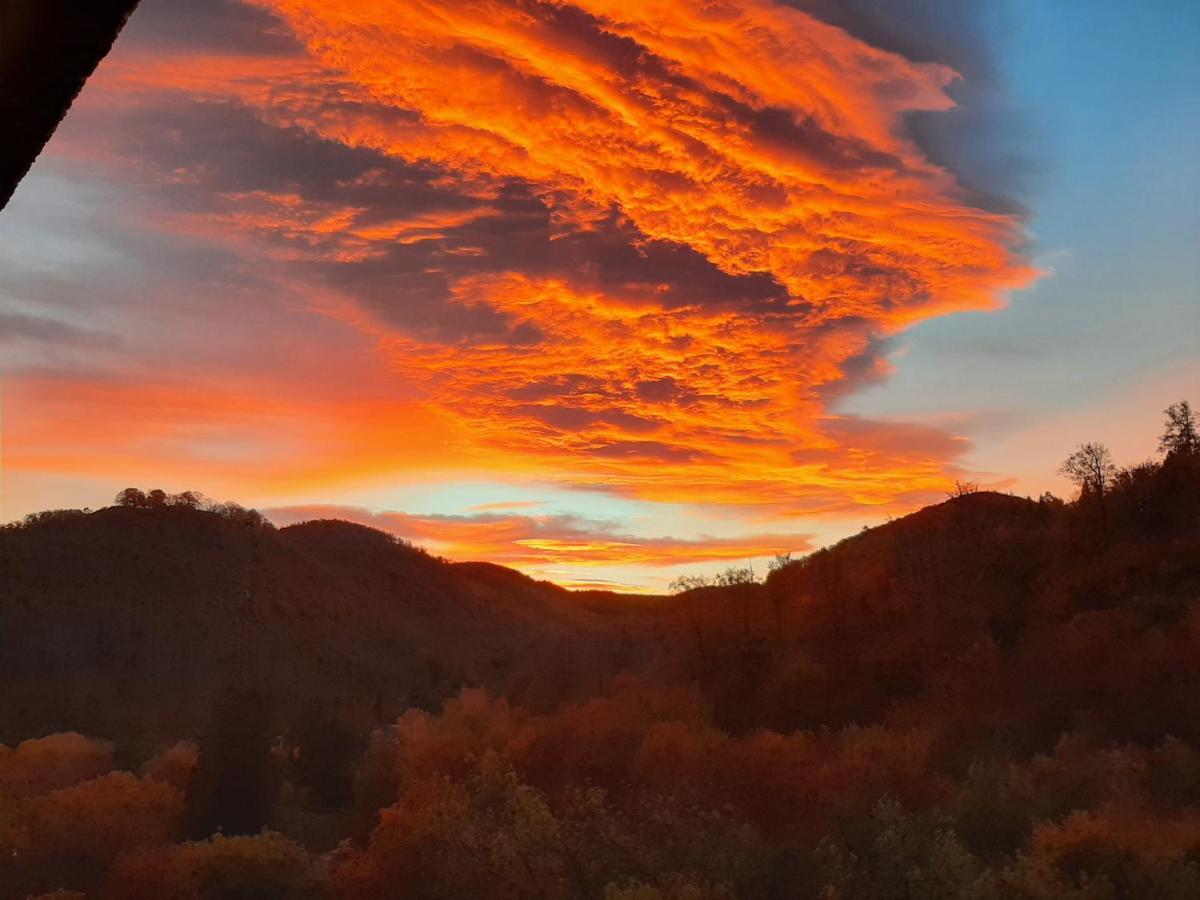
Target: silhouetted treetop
x,y
1091,467
1181,436
728,577
130,497
963,488
158,499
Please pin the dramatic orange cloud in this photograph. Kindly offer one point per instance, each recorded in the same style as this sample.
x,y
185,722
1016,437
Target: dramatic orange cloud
x,y
643,248
762,139
673,405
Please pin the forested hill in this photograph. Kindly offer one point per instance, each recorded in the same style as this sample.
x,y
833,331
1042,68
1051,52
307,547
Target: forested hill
x,y
992,698
128,622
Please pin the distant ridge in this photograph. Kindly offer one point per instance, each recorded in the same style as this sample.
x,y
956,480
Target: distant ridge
x,y
127,622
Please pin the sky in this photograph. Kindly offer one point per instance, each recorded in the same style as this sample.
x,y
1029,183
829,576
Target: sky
x,y
607,292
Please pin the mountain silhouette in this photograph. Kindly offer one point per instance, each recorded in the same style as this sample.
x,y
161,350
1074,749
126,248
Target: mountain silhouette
x,y
127,622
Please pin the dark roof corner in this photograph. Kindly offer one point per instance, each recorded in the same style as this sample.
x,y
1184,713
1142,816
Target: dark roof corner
x,y
48,48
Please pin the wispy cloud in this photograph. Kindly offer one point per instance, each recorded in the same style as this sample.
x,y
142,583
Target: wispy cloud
x,y
545,540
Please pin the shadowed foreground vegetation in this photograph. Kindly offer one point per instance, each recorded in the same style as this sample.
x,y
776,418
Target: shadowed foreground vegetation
x,y
994,697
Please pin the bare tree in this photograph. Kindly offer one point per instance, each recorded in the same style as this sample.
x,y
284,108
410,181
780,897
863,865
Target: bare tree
x,y
1181,437
1091,468
963,488
734,575
781,561
685,583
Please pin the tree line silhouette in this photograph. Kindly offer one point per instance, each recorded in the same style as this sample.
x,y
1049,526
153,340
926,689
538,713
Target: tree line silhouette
x,y
133,498
1090,467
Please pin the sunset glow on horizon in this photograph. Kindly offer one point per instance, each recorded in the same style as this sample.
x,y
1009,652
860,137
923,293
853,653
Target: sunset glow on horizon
x,y
536,283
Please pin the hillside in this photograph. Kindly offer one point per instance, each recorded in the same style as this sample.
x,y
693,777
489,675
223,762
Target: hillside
x,y
126,622
991,698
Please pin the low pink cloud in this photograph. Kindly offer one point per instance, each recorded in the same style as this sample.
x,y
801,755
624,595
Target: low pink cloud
x,y
526,541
